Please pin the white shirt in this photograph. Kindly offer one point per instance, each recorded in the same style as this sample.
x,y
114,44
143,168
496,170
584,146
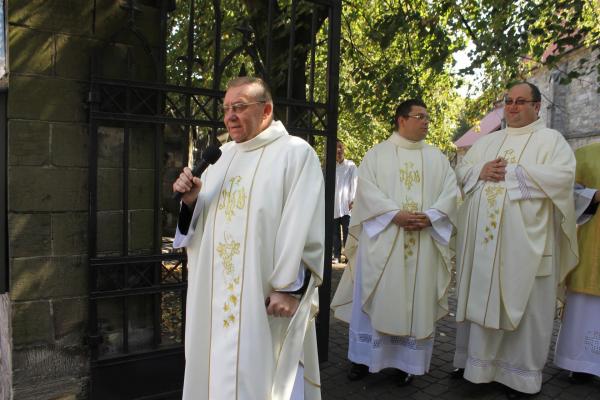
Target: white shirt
x,y
345,187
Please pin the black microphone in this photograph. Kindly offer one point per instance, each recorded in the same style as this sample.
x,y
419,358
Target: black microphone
x,y
210,156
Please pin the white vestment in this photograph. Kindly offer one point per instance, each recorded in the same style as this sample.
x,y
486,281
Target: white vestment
x,y
578,344
395,286
257,224
516,241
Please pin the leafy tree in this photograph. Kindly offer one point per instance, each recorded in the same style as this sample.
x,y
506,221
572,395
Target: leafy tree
x,y
513,38
391,50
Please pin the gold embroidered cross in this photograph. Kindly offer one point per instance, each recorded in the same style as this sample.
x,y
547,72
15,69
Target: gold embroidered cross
x,y
409,175
233,198
510,156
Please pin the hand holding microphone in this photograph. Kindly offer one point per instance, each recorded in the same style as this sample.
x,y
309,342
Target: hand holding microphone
x,y
187,186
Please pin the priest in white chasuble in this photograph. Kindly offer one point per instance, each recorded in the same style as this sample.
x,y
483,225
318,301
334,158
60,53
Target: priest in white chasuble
x,y
396,284
578,344
516,242
253,227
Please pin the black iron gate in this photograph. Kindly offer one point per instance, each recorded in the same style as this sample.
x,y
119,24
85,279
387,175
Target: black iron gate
x,y
146,120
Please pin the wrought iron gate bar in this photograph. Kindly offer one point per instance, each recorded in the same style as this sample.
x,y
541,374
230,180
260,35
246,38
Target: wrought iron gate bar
x,y
159,86
269,43
141,355
138,291
105,116
136,259
290,66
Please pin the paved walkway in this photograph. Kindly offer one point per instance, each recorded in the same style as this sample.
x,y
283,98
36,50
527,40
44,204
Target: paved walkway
x,y
437,384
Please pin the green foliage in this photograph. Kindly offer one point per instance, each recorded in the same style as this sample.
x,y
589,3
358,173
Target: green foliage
x,y
514,38
390,51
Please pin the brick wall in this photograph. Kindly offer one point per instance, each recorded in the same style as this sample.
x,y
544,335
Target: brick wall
x,y
50,43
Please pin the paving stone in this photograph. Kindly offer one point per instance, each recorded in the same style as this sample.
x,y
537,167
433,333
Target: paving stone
x,y
437,383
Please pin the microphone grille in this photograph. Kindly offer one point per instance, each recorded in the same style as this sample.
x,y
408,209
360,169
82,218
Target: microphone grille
x,y
211,154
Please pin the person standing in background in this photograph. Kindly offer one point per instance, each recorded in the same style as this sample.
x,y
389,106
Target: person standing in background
x,y
345,190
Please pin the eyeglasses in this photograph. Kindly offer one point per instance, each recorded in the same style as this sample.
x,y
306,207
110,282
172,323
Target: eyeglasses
x,y
239,107
519,102
420,117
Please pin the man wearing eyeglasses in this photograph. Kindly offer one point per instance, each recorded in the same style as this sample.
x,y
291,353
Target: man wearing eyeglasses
x,y
395,288
253,228
516,242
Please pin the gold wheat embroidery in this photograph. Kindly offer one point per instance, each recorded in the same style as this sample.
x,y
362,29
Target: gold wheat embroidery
x,y
227,250
490,231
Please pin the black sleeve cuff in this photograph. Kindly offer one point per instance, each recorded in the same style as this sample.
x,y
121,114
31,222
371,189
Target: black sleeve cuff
x,y
591,209
304,285
185,219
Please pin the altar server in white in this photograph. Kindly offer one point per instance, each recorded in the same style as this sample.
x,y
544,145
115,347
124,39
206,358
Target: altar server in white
x,y
253,229
516,242
396,285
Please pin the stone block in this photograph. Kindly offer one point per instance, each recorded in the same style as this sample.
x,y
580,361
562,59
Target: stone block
x,y
28,142
141,189
31,51
47,189
110,189
110,147
70,318
141,231
69,233
111,61
114,17
109,232
141,148
38,278
49,372
148,23
67,16
73,55
29,235
47,99
69,145
31,323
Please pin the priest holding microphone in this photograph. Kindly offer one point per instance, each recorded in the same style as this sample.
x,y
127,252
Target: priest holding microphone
x,y
252,225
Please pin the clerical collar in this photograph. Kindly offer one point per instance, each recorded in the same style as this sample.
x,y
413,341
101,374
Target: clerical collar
x,y
269,135
405,143
534,126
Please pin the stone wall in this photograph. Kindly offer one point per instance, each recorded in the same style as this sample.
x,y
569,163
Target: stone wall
x,y
50,43
573,108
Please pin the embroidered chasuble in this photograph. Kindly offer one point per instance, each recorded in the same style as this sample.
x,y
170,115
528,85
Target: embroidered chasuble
x,y
586,277
404,275
509,234
257,223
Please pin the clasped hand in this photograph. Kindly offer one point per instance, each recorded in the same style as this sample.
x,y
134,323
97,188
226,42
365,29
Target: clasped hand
x,y
281,304
411,221
494,170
